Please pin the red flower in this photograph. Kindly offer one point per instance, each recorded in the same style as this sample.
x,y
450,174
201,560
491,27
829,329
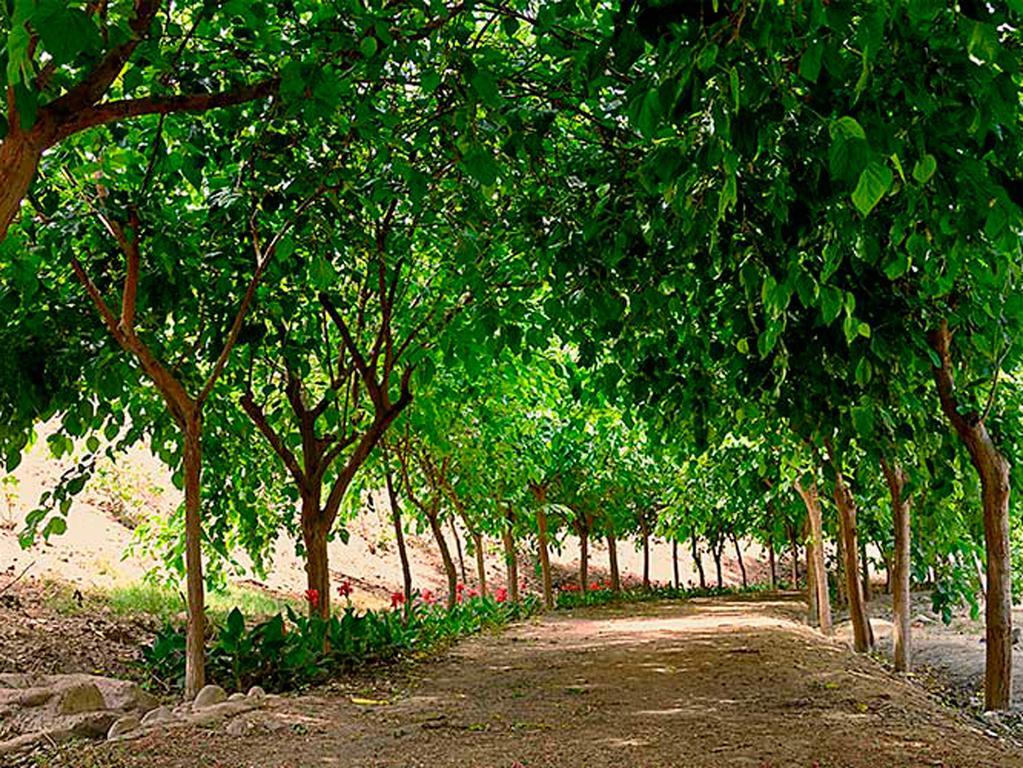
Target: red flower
x,y
595,587
427,597
312,597
344,589
459,587
397,599
501,594
473,593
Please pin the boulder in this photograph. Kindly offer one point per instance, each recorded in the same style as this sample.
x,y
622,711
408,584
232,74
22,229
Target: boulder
x,y
80,697
255,692
208,696
123,725
236,697
158,715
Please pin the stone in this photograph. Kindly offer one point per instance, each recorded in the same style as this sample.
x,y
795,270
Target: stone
x,y
80,697
125,695
92,725
255,692
123,725
208,696
159,715
236,697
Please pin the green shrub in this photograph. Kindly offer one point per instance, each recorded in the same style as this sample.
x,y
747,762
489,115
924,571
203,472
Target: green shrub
x,y
290,650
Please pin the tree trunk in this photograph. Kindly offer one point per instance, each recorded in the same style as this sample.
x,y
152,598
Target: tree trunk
x,y
993,469
771,562
481,565
612,557
545,558
511,561
900,570
813,614
794,543
865,565
584,560
458,549
742,565
399,536
815,555
445,555
19,158
863,634
317,568
717,549
674,561
195,644
646,561
841,583
698,562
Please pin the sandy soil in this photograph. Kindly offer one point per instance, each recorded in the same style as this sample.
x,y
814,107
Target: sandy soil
x,y
706,684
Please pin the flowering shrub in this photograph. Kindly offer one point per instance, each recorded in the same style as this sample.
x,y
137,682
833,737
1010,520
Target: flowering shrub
x,y
312,597
344,589
288,651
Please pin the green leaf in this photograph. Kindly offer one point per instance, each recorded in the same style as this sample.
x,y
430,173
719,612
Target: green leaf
x,y
863,419
864,371
924,168
733,77
847,128
810,61
874,183
55,527
368,46
485,87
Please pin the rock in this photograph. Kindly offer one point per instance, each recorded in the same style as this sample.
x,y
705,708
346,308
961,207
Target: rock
x,y
255,692
123,725
80,697
208,696
236,697
158,715
125,695
92,725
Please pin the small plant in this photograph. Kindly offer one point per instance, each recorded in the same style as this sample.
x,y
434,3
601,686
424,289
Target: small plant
x,y
11,507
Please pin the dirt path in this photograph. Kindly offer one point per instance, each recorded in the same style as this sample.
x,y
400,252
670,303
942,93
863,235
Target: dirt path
x,y
708,683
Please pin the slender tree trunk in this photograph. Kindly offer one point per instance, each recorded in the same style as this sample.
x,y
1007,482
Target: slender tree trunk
x,y
445,555
584,560
698,562
771,562
813,614
399,536
545,558
993,470
742,565
195,644
888,565
458,549
794,543
19,158
863,634
511,560
612,557
815,555
481,565
717,548
841,588
865,565
674,561
899,577
646,561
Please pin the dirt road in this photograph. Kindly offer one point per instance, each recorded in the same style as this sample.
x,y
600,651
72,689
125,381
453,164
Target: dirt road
x,y
702,684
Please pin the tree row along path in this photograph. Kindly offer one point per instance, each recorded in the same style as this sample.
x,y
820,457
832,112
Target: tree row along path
x,y
724,682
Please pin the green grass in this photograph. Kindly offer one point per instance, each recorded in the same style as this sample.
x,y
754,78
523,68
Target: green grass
x,y
164,603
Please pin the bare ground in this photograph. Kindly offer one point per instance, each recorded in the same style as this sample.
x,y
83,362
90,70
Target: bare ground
x,y
706,683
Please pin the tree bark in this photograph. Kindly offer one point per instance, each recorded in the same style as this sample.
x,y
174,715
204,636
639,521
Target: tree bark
x,y
399,535
813,614
993,469
742,565
794,543
771,562
511,562
195,672
646,561
584,560
697,561
19,158
900,570
545,558
863,634
674,561
815,556
717,549
481,565
317,569
445,555
865,565
458,549
612,557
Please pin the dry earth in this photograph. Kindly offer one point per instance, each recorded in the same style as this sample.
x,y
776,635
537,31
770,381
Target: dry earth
x,y
703,684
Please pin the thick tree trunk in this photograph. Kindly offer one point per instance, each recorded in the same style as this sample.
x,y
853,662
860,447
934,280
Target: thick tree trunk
x,y
863,634
674,561
742,565
195,648
584,560
545,557
817,575
399,537
612,557
458,549
993,470
445,555
698,562
771,562
511,560
646,562
19,158
317,567
481,565
900,569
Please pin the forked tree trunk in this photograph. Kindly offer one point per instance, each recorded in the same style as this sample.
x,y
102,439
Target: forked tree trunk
x,y
993,469
511,560
545,558
445,555
195,672
742,565
900,569
815,555
674,561
698,562
584,560
399,536
481,565
612,557
458,549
